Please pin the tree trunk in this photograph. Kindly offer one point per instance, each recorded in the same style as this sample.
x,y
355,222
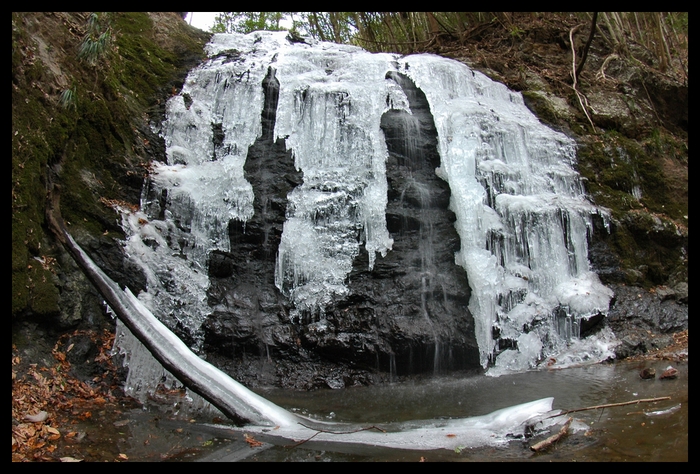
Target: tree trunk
x,y
233,399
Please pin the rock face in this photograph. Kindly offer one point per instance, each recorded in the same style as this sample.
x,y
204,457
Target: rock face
x,y
644,321
420,294
407,315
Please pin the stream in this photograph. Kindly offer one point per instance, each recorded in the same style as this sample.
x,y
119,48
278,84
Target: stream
x,y
649,431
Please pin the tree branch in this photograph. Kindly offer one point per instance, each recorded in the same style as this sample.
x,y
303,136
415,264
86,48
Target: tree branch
x,y
610,405
373,427
542,445
588,45
573,74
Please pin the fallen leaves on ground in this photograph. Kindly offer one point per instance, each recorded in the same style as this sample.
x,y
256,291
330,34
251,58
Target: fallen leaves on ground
x,y
46,399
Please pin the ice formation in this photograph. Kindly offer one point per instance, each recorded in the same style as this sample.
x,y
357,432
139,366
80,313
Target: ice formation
x,y
522,215
331,101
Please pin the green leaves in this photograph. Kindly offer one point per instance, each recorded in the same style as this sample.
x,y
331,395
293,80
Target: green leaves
x,y
67,99
97,38
246,22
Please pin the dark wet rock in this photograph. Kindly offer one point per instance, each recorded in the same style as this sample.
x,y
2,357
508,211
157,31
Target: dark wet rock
x,y
648,373
642,321
647,309
221,264
606,263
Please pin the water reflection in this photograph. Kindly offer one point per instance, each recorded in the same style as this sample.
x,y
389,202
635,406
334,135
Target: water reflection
x,y
643,432
655,431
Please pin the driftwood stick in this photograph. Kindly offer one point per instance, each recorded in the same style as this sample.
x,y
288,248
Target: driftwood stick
x,y
542,445
610,405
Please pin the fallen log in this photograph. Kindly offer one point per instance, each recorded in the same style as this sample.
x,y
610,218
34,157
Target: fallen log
x,y
238,403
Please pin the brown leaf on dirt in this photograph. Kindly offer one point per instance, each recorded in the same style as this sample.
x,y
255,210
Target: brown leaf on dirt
x,y
47,400
669,373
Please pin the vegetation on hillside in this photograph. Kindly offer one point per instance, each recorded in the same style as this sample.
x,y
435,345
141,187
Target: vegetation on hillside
x,y
663,34
84,86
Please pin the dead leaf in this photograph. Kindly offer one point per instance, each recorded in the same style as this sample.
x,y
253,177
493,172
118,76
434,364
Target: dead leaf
x,y
70,459
252,442
669,373
52,430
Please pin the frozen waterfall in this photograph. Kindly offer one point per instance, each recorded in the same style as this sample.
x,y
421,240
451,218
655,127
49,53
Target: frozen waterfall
x,y
522,215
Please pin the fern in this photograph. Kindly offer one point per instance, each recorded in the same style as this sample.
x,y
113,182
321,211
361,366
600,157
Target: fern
x,y
97,39
67,99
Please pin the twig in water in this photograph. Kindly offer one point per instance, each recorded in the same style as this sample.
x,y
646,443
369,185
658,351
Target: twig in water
x,y
554,438
332,432
609,405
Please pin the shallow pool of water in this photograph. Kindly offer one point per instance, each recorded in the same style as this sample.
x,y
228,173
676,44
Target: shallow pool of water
x,y
646,431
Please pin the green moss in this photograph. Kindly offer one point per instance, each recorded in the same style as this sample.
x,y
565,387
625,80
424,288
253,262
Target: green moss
x,y
44,295
615,167
93,146
647,237
540,106
146,67
20,292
